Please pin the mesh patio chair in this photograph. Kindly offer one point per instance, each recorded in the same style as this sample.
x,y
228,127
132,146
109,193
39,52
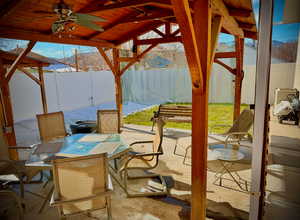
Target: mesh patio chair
x,y
108,121
15,170
91,189
145,161
238,131
51,126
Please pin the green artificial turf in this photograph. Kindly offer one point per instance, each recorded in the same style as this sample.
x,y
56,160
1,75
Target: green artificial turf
x,y
218,114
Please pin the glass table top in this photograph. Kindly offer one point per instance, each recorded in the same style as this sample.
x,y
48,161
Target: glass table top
x,y
228,154
76,145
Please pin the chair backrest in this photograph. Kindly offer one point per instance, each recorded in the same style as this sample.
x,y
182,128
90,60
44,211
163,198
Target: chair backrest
x,y
4,153
158,137
80,177
243,123
51,126
108,121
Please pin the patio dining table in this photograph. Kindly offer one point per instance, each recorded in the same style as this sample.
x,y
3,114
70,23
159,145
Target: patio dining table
x,y
74,146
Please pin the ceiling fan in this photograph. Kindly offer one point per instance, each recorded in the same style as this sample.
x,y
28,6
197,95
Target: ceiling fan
x,y
66,16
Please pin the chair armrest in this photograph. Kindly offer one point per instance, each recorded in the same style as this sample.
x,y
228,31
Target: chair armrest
x,y
12,164
236,136
56,202
219,125
141,142
145,154
19,147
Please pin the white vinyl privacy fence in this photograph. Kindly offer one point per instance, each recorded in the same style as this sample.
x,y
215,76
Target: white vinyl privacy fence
x,y
75,90
64,92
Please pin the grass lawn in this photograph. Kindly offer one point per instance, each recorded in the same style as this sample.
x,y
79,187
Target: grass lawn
x,y
218,114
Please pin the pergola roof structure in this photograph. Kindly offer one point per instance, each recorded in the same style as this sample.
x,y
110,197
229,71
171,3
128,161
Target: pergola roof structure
x,y
8,58
126,19
199,22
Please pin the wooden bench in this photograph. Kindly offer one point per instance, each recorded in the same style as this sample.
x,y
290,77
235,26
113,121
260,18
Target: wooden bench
x,y
174,113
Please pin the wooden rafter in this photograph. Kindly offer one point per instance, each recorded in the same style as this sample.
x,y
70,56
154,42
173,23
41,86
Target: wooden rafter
x,y
229,23
163,40
154,16
12,33
23,54
137,32
112,25
127,4
29,74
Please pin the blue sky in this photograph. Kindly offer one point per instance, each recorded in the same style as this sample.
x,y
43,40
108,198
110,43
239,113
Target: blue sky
x,y
283,32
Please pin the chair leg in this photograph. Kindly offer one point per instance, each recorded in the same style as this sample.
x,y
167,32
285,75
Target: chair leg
x,y
185,155
22,188
108,207
46,200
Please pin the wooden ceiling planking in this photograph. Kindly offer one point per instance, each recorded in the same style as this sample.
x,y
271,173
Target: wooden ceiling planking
x,y
121,30
24,18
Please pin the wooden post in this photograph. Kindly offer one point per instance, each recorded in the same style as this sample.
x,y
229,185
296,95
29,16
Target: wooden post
x,y
43,91
200,40
76,60
118,83
239,48
9,132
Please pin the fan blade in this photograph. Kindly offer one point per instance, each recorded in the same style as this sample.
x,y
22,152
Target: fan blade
x,y
87,17
89,24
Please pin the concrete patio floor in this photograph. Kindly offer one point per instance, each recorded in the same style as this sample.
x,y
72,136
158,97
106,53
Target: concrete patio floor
x,y
220,201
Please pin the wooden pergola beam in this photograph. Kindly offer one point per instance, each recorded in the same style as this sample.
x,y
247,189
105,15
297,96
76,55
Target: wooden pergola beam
x,y
137,32
251,34
154,16
222,55
158,32
23,54
162,40
137,58
29,74
246,25
231,70
183,15
43,89
107,60
13,33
